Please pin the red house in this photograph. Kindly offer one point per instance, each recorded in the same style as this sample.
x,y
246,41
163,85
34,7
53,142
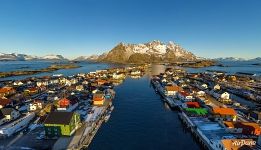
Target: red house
x,y
193,105
4,102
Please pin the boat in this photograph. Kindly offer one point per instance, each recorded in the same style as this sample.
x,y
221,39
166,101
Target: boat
x,y
107,117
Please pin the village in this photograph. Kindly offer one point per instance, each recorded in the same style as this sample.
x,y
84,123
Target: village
x,y
58,112
210,108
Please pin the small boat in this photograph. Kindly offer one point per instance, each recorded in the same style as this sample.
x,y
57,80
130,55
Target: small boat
x,y
107,117
111,109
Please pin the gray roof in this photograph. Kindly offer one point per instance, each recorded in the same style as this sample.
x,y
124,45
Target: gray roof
x,y
7,111
59,118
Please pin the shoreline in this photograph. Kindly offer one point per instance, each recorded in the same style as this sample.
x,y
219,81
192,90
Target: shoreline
x,y
51,68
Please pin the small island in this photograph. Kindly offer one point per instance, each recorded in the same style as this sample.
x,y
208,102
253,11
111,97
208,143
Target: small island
x,y
198,64
51,68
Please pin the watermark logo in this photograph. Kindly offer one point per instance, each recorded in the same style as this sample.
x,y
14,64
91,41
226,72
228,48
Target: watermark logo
x,y
239,143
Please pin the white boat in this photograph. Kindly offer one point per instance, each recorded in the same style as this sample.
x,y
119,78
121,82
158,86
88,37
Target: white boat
x,y
107,117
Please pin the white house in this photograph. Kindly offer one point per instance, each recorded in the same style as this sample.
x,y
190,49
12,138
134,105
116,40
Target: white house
x,y
225,96
118,76
35,106
137,72
201,93
171,90
18,83
204,86
217,87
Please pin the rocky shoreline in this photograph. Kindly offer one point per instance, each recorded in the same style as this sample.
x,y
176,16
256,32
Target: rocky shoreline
x,y
51,68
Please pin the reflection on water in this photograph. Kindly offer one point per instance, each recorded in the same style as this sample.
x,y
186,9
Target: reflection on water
x,y
157,69
141,120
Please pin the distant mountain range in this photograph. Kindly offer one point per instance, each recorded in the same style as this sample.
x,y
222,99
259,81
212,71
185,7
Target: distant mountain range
x,y
236,59
154,51
24,57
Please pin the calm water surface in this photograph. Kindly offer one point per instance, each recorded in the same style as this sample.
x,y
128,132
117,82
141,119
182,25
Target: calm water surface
x,y
140,120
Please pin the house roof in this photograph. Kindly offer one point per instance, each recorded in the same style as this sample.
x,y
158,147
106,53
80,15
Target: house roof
x,y
172,88
224,111
183,93
5,89
6,111
59,118
4,102
193,104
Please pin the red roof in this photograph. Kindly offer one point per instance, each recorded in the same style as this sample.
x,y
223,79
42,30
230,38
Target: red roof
x,y
192,104
64,102
4,102
6,89
184,93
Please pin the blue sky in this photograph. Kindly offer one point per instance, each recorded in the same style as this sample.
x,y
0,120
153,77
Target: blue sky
x,y
208,28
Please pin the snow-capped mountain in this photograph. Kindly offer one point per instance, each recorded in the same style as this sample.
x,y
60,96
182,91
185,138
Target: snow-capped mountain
x,y
52,57
87,58
15,56
154,51
24,57
229,59
237,59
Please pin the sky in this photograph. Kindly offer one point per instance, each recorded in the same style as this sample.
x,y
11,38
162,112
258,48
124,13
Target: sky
x,y
208,28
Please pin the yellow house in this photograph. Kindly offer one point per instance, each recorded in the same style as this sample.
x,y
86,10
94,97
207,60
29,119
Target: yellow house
x,y
98,99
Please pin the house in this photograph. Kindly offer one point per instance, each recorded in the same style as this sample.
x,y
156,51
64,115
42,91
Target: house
x,y
41,83
18,83
201,93
135,72
231,78
5,102
36,105
98,98
118,76
217,87
67,104
225,96
79,87
204,86
74,81
225,114
164,80
185,96
9,114
54,81
5,91
246,128
192,105
101,82
31,90
61,124
172,90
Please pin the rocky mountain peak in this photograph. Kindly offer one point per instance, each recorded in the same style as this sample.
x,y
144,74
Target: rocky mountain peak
x,y
147,52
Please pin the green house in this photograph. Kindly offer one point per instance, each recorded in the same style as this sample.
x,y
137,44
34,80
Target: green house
x,y
61,123
196,111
